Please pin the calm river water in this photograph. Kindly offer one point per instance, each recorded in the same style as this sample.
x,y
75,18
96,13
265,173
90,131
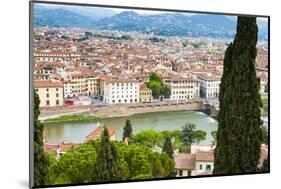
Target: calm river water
x,y
77,131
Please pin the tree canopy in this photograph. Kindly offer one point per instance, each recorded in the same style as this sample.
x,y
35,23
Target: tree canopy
x,y
158,87
239,133
127,130
107,167
41,161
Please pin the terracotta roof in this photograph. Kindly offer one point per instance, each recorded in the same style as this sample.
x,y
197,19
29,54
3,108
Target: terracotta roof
x,y
64,146
96,134
47,83
184,161
205,156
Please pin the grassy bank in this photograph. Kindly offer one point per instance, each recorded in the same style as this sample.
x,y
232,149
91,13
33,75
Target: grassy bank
x,y
70,118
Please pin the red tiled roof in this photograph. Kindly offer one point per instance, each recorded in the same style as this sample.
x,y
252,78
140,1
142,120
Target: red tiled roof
x,y
47,83
96,134
184,161
205,156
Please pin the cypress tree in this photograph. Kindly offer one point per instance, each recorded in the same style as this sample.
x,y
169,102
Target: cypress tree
x,y
107,167
127,130
239,132
40,159
168,147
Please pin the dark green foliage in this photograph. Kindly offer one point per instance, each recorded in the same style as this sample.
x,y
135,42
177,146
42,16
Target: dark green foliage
x,y
76,166
127,130
156,40
107,167
158,87
187,135
40,159
168,148
239,133
88,34
265,166
148,138
65,37
200,136
142,177
214,135
141,160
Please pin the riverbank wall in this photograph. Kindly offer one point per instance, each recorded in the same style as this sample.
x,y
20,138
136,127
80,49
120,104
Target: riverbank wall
x,y
126,110
120,111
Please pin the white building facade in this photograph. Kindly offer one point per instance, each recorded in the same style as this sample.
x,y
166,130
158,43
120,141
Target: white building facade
x,y
121,91
209,86
184,88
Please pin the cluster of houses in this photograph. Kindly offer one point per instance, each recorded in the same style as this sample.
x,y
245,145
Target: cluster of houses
x,y
68,65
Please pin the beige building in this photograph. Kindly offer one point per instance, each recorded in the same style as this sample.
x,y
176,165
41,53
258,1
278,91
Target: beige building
x,y
50,92
78,84
92,84
145,94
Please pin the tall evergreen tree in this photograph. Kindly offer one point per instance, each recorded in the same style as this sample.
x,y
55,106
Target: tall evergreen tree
x,y
168,147
239,132
127,130
40,159
107,167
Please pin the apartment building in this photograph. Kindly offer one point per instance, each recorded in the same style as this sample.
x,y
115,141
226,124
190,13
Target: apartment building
x,y
184,88
145,94
121,91
50,92
209,86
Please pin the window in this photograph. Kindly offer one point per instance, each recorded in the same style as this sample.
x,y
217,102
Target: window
x,y
57,89
47,102
47,90
47,95
57,94
208,168
57,102
180,172
200,167
189,173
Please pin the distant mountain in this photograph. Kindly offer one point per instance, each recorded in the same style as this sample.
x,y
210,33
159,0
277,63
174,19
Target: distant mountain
x,y
92,12
68,16
59,18
166,24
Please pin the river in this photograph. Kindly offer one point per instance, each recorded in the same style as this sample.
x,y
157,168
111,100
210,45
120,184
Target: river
x,y
159,121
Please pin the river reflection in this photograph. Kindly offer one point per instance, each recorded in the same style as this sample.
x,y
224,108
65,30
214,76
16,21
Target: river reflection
x,y
77,132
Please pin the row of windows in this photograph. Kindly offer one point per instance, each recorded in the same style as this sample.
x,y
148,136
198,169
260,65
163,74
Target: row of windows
x,y
46,90
48,95
125,92
124,96
122,84
175,82
183,97
48,102
183,87
119,101
122,88
182,92
145,93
